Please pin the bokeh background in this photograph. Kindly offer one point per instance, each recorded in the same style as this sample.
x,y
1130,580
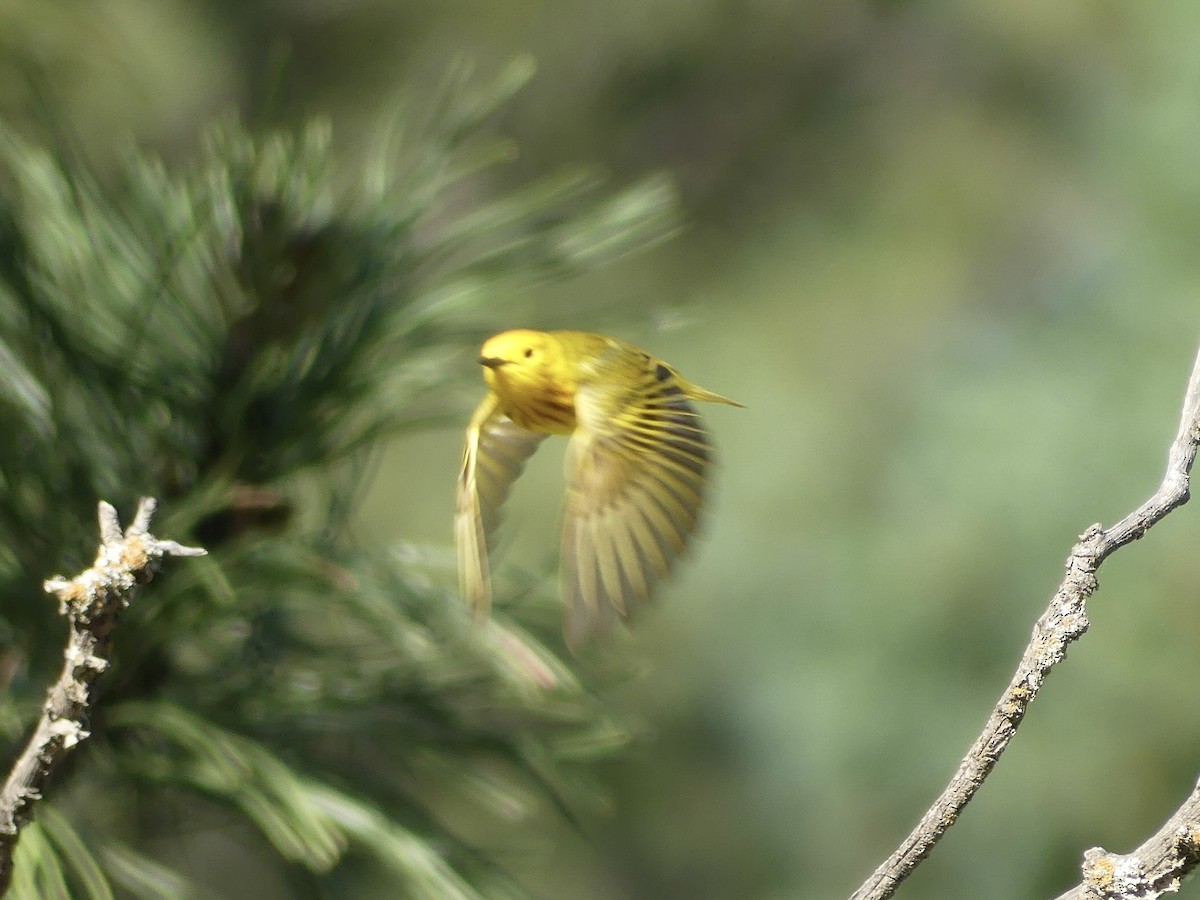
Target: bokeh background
x,y
945,253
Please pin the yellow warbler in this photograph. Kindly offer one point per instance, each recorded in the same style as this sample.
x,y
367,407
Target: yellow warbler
x,y
637,466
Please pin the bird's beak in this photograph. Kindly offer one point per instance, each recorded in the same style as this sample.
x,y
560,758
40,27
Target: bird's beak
x,y
492,362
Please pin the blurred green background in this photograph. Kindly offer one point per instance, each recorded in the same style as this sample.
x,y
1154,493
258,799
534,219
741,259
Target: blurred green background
x,y
945,253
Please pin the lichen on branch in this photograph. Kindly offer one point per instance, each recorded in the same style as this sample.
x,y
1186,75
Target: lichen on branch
x,y
92,603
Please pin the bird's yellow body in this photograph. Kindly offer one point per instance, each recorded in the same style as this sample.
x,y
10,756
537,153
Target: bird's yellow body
x,y
637,466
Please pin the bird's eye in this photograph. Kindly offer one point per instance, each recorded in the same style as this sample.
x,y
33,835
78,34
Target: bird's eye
x,y
528,352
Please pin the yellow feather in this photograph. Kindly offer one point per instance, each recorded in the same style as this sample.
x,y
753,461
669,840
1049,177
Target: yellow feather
x,y
637,466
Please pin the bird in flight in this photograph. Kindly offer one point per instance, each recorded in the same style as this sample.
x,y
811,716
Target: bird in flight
x,y
637,467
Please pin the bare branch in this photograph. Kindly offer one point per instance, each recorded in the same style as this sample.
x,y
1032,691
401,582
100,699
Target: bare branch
x,y
92,603
1064,621
1153,869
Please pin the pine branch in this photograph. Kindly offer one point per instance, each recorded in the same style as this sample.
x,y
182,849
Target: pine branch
x,y
1064,621
237,335
92,603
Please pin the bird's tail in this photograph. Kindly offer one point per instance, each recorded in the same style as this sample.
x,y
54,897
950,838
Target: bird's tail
x,y
695,392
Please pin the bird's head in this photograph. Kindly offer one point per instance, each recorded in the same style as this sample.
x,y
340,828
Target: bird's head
x,y
521,359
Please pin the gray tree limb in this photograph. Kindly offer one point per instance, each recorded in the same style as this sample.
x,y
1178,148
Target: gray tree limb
x,y
1155,868
1064,621
92,602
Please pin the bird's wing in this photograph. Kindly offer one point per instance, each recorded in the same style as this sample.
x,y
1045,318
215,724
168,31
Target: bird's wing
x,y
637,471
494,457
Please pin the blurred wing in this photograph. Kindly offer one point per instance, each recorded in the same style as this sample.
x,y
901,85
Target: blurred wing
x,y
494,457
637,472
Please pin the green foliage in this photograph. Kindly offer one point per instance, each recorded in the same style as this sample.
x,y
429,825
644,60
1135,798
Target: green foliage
x,y
224,339
52,859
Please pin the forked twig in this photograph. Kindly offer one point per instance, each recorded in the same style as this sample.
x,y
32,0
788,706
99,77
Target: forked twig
x,y
92,603
1064,620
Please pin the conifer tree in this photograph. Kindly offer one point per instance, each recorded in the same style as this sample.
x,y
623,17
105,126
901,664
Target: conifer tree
x,y
236,337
